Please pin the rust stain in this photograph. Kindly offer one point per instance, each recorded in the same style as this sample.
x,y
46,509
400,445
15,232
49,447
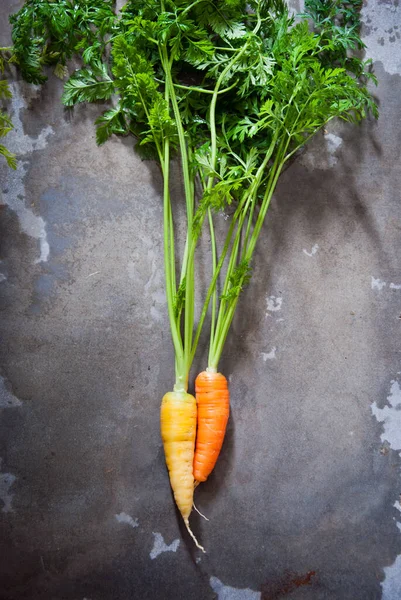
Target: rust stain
x,y
271,590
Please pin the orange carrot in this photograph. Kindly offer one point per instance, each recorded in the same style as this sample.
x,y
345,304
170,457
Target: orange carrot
x,y
213,399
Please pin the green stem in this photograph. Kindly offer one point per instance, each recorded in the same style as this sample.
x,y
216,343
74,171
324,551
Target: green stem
x,y
214,359
214,266
227,283
175,333
203,90
228,315
189,252
275,173
188,8
225,317
172,250
181,371
213,136
258,179
252,196
185,353
181,138
222,306
190,292
188,259
212,112
213,282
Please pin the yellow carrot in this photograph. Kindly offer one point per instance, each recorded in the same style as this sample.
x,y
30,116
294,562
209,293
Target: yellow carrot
x,y
178,430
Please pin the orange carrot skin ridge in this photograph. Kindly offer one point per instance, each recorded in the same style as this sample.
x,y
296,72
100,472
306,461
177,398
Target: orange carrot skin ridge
x,y
213,400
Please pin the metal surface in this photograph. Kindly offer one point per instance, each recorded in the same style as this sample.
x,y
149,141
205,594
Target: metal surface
x,y
301,503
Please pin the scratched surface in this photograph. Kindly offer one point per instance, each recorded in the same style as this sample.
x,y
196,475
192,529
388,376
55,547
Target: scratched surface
x,y
304,502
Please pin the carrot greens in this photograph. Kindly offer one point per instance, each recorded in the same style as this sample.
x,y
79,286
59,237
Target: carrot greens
x,y
6,124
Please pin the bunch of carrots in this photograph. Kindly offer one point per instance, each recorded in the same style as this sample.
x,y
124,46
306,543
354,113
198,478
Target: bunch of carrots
x,y
231,89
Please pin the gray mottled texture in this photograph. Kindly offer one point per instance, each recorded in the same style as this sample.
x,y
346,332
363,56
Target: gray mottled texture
x,y
309,477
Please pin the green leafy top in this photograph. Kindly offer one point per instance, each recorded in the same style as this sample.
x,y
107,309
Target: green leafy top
x,y
48,32
5,121
236,87
283,64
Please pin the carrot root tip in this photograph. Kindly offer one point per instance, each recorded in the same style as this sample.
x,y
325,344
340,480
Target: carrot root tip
x,y
199,512
197,544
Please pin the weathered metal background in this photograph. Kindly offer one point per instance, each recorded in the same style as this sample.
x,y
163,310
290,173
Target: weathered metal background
x,y
304,501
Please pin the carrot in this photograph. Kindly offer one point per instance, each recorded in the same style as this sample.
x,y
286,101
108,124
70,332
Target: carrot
x,y
213,399
178,430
